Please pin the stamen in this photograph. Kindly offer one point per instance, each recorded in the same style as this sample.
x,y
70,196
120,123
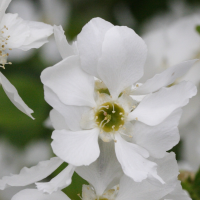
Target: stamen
x,y
130,136
105,123
79,196
113,109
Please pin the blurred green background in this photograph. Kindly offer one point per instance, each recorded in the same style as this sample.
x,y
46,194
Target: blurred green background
x,y
25,71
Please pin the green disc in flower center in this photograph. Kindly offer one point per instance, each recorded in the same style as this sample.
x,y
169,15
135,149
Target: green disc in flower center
x,y
110,117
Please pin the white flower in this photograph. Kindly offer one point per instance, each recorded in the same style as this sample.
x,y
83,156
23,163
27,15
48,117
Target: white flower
x,y
106,179
110,110
128,189
18,33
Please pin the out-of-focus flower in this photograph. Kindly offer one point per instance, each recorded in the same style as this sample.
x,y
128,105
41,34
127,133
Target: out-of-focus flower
x,y
41,11
109,109
16,33
20,34
169,45
12,160
105,184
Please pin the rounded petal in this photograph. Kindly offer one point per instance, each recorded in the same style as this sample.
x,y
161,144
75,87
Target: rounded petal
x,y
64,47
89,43
62,180
31,175
165,78
14,96
156,107
122,60
133,162
105,171
33,194
158,139
70,83
72,114
77,148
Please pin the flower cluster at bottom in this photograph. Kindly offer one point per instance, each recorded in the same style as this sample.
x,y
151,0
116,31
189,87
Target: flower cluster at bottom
x,y
113,130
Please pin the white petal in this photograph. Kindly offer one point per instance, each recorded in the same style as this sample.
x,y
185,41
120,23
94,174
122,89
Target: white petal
x,y
64,47
77,148
57,120
70,83
3,6
158,139
165,78
34,194
177,194
62,180
14,96
31,175
122,60
24,34
131,158
154,108
104,171
167,170
89,43
129,190
167,167
71,114
38,35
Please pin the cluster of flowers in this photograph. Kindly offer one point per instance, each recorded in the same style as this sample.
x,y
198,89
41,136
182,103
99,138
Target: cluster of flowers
x,y
112,129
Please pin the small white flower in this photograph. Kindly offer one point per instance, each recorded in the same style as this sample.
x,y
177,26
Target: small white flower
x,y
18,33
108,108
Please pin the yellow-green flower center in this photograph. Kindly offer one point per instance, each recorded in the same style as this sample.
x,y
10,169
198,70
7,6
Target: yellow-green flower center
x,y
110,117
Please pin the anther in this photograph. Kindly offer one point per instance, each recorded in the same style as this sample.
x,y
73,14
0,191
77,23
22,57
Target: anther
x,y
120,126
120,113
96,117
136,118
122,118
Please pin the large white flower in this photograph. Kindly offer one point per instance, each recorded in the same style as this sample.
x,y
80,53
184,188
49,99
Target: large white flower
x,y
112,108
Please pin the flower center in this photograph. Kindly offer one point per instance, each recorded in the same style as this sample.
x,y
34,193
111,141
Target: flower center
x,y
110,117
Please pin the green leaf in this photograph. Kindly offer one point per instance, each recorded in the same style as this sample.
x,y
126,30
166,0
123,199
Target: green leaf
x,y
198,28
